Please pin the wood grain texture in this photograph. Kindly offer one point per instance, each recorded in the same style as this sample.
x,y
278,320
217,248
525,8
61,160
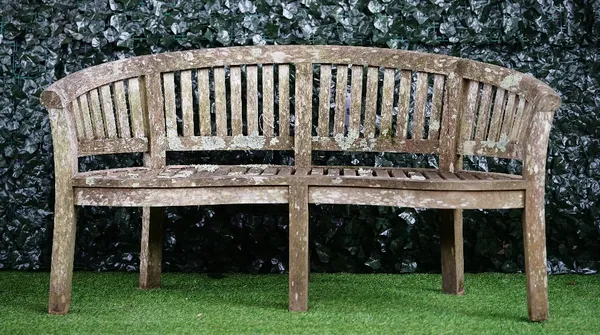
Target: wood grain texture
x,y
324,100
97,117
450,124
121,109
451,247
155,157
124,197
170,106
220,101
204,102
80,130
341,92
236,100
268,99
63,245
497,115
136,107
387,103
84,109
437,102
112,146
284,100
187,109
356,99
483,117
108,113
470,111
252,99
299,264
420,106
403,104
509,116
370,122
303,145
151,247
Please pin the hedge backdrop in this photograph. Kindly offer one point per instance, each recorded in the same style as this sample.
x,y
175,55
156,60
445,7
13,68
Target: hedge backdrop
x,y
555,40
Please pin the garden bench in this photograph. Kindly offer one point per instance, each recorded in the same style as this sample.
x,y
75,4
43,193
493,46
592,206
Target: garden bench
x,y
302,99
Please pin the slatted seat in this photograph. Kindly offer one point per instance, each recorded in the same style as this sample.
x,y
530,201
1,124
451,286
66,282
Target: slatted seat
x,y
302,99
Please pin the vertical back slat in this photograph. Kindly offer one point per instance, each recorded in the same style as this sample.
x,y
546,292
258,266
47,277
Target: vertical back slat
x,y
449,160
420,106
170,108
371,102
97,114
484,113
84,108
340,99
121,106
302,147
509,114
268,115
235,81
108,113
514,130
356,98
497,113
436,107
403,104
204,102
252,99
135,106
187,109
79,127
284,100
387,102
155,157
324,100
220,101
525,122
466,126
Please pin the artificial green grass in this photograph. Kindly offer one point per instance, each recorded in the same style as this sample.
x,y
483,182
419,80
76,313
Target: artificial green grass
x,y
111,303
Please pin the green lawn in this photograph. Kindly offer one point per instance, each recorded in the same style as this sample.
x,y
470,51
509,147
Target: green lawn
x,y
108,303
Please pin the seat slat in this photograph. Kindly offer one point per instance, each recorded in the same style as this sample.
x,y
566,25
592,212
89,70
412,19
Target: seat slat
x,y
204,102
334,172
220,102
341,89
432,175
466,175
302,171
348,172
316,172
108,113
284,100
252,99
136,108
121,107
356,99
387,103
365,172
416,175
237,171
270,171
436,107
371,102
285,171
221,171
382,173
254,171
449,175
79,125
170,107
187,110
420,106
403,104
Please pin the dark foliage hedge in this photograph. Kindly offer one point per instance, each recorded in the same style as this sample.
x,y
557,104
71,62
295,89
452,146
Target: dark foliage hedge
x,y
554,40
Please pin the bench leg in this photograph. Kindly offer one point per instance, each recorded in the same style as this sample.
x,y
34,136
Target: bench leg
x,y
63,250
152,243
451,244
534,238
299,266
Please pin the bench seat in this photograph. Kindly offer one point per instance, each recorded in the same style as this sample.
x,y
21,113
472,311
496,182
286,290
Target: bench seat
x,y
273,175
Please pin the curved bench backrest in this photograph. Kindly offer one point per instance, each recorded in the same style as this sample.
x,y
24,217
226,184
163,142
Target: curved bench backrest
x,y
301,98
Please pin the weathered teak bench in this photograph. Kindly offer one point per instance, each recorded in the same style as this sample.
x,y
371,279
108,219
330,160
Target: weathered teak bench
x,y
305,99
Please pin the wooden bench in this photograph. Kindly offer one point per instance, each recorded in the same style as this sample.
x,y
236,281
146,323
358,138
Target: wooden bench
x,y
302,99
